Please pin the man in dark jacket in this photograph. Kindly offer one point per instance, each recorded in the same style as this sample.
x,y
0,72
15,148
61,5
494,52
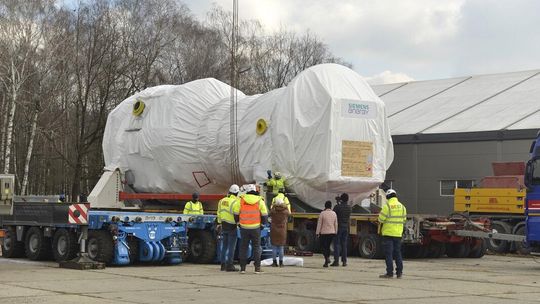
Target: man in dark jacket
x,y
343,211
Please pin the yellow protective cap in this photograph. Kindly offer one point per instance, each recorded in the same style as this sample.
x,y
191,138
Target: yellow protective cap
x,y
261,126
138,108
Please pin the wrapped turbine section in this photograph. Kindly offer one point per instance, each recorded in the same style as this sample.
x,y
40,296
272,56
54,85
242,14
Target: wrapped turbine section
x,y
326,132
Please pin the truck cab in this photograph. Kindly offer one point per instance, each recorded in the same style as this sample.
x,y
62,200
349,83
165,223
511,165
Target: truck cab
x,y
532,206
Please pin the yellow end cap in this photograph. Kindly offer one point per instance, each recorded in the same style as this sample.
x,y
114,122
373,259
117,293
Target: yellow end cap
x,y
261,126
138,108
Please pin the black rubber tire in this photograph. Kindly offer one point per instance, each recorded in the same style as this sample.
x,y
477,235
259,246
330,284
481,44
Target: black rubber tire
x,y
202,247
37,246
370,247
521,247
11,248
133,244
436,250
306,240
100,246
479,248
498,246
64,245
415,251
458,250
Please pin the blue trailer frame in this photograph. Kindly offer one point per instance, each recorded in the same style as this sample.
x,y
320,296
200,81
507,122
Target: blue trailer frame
x,y
156,237
532,205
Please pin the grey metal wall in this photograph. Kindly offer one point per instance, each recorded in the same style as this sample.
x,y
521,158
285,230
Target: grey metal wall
x,y
418,168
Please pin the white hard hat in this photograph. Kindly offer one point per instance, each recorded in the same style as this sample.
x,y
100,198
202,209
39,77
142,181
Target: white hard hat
x,y
234,188
390,191
277,174
250,187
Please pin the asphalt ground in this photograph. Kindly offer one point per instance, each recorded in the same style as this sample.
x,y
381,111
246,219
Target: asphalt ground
x,y
491,279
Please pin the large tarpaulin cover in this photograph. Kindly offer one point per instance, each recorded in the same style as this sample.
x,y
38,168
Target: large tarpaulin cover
x,y
327,133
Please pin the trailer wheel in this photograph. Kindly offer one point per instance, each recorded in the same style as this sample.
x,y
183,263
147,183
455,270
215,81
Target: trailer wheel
x,y
458,250
37,246
202,247
64,245
521,247
306,240
370,247
100,246
133,244
479,248
499,246
436,250
11,248
415,251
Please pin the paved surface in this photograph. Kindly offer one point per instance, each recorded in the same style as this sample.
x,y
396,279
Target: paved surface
x,y
492,279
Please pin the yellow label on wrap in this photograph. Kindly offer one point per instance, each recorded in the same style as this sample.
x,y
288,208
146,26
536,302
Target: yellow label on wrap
x,y
356,158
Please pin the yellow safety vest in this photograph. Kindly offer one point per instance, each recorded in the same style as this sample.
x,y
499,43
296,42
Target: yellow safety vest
x,y
225,212
193,208
392,217
251,199
284,198
276,184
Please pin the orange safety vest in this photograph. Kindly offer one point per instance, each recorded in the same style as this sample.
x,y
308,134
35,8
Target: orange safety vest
x,y
250,215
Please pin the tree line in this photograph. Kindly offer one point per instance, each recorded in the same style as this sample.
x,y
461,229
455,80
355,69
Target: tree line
x,y
64,67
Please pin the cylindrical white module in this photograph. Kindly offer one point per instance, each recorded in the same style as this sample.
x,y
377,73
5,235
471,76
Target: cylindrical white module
x,y
326,132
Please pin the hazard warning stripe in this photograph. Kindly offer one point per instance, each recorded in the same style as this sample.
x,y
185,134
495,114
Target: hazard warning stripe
x,y
83,214
72,218
82,209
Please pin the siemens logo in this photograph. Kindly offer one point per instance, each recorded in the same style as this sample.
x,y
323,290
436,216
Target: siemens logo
x,y
358,109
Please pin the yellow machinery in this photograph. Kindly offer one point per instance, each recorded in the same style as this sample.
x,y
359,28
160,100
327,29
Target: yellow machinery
x,y
490,200
500,198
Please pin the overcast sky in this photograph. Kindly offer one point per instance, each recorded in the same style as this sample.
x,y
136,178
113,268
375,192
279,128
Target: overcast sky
x,y
400,40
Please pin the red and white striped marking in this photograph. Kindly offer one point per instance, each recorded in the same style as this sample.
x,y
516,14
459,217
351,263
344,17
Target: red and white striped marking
x,y
534,205
78,214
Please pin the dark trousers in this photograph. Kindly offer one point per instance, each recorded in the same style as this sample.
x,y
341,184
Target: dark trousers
x,y
340,245
326,240
253,236
392,252
228,246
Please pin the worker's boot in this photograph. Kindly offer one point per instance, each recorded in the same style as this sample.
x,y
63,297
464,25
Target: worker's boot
x,y
223,267
230,267
258,269
280,263
243,267
274,263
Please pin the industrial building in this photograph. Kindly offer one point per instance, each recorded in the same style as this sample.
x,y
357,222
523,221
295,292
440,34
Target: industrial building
x,y
447,132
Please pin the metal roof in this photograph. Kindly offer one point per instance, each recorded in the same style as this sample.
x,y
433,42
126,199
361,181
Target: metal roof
x,y
495,104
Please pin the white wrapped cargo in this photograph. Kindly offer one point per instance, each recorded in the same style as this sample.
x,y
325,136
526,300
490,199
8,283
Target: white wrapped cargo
x,y
327,133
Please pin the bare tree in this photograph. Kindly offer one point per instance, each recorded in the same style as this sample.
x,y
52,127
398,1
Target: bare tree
x,y
63,69
20,37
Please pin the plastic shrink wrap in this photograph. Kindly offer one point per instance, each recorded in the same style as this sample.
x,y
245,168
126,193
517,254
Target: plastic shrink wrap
x,y
326,132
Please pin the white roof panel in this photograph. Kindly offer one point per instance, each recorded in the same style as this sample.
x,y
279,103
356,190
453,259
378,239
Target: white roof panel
x,y
385,88
499,112
468,104
416,92
530,122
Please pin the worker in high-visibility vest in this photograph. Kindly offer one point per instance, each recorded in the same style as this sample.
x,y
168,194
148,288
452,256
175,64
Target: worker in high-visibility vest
x,y
251,214
392,217
229,230
277,182
282,197
194,206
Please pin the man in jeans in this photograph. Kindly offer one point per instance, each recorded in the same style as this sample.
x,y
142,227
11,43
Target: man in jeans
x,y
227,225
343,212
251,214
392,218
